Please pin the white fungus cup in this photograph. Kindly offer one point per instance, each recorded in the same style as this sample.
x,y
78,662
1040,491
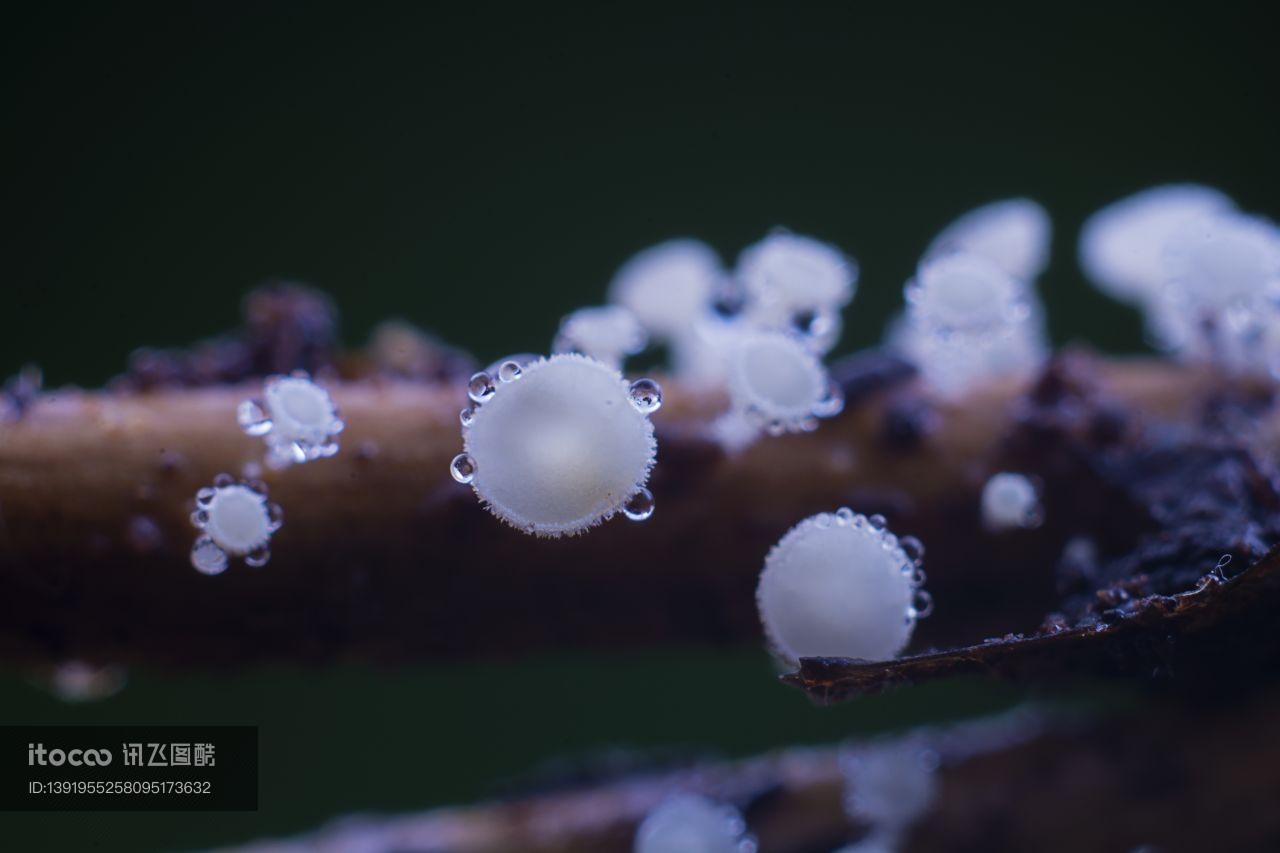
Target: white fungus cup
x,y
1013,234
1010,501
559,445
778,383
691,823
840,585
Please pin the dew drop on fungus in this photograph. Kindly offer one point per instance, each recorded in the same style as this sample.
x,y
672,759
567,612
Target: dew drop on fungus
x,y
236,521
837,590
509,371
561,450
467,415
646,396
640,506
1010,501
296,418
481,388
463,468
690,822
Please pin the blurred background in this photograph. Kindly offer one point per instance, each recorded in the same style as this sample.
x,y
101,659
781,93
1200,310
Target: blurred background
x,y
482,171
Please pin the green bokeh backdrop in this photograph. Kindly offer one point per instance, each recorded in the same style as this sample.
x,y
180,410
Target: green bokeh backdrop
x,y
480,172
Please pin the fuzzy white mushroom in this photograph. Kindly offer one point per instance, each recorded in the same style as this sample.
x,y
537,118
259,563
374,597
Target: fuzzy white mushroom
x,y
1013,234
968,321
235,520
1010,501
1223,286
889,783
668,287
296,418
80,681
796,283
840,585
608,334
559,445
690,823
778,384
1122,245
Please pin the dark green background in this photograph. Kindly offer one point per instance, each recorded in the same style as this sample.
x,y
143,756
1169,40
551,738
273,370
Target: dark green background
x,y
481,172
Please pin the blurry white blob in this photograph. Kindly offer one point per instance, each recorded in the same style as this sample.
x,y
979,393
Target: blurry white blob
x,y
796,283
1010,501
1223,289
841,585
1122,245
889,783
689,823
968,321
608,334
559,445
296,418
79,681
235,520
1013,234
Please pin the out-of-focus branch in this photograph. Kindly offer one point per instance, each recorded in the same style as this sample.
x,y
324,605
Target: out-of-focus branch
x,y
383,557
1180,779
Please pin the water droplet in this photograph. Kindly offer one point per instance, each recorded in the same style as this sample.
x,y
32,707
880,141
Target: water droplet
x,y
223,480
844,515
640,506
481,387
200,518
205,496
646,396
775,428
509,371
913,548
258,557
275,516
879,522
207,557
467,416
832,402
922,604
463,468
253,418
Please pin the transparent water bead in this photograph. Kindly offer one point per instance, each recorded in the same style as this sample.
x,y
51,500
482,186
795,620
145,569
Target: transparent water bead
x,y
796,283
562,449
646,396
235,520
297,419
608,334
640,507
690,823
1013,234
836,585
1122,245
1010,501
463,468
779,383
890,783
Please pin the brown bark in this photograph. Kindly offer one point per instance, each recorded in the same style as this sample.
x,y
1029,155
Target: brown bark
x,y
384,558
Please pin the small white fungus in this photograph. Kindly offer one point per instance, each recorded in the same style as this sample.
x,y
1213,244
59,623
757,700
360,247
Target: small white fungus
x,y
79,681
778,384
1223,283
889,783
235,520
1122,245
1013,234
296,418
968,321
797,283
669,287
559,445
1010,501
840,585
689,823
608,334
